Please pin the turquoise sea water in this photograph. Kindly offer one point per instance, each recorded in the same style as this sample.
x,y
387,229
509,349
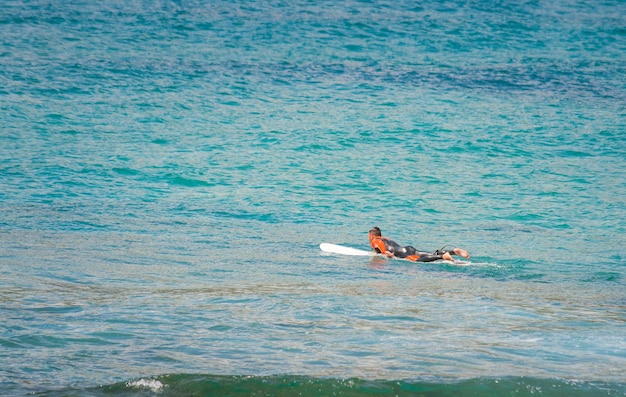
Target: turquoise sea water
x,y
168,170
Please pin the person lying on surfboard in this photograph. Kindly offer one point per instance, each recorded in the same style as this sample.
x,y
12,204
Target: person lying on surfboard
x,y
389,248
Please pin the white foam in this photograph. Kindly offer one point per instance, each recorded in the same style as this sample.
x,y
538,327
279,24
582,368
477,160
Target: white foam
x,y
152,384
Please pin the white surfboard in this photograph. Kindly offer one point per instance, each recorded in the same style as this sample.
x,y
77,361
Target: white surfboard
x,y
340,249
343,250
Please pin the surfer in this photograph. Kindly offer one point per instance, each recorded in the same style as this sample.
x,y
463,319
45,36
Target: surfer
x,y
390,248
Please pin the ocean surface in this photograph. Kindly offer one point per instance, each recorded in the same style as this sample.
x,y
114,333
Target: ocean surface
x,y
168,170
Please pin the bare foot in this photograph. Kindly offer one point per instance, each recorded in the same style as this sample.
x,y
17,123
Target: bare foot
x,y
447,257
461,252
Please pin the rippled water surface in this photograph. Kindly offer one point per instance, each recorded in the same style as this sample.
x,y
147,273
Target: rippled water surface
x,y
168,171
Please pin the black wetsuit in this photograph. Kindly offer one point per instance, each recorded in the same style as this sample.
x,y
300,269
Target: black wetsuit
x,y
402,252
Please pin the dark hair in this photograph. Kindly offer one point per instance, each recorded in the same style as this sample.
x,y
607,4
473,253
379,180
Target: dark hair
x,y
376,230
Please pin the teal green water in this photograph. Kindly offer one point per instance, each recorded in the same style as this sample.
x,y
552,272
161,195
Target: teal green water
x,y
168,171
